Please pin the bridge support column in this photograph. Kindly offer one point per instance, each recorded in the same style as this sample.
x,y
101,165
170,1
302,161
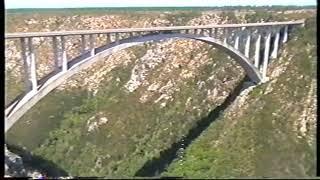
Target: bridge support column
x,y
56,53
236,43
83,43
216,33
187,31
276,45
195,31
210,32
257,52
117,38
64,55
266,56
91,44
247,49
29,65
109,38
201,31
285,34
33,72
225,36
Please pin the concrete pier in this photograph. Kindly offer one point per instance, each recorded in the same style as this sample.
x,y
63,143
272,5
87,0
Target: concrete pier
x,y
247,48
257,52
210,32
29,64
83,43
266,56
64,55
91,41
276,45
236,43
285,34
56,53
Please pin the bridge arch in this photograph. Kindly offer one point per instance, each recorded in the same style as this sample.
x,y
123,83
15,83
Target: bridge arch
x,y
252,72
85,60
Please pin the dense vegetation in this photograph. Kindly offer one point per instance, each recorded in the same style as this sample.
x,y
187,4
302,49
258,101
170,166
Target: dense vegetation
x,y
124,146
248,145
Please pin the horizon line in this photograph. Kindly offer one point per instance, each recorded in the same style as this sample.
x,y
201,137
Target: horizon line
x,y
165,6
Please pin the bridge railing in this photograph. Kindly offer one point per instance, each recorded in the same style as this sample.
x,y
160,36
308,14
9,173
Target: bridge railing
x,y
150,29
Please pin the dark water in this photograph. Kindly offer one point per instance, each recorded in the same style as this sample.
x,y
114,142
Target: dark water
x,y
156,166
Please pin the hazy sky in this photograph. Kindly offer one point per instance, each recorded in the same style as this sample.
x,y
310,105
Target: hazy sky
x,y
131,3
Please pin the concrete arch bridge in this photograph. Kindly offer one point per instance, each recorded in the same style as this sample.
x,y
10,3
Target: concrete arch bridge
x,y
234,39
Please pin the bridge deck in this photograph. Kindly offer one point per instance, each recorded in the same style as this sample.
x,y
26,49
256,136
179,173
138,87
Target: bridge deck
x,y
149,29
36,90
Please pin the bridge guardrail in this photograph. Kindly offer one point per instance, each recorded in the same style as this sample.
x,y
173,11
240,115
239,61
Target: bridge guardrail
x,y
128,30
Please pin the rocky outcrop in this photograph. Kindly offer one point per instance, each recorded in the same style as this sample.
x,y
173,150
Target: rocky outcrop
x,y
94,122
14,166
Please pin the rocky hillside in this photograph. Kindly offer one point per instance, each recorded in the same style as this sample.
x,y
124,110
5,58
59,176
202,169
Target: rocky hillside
x,y
130,106
113,118
43,46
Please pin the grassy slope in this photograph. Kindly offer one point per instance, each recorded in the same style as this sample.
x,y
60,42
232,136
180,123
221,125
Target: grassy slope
x,y
261,141
31,135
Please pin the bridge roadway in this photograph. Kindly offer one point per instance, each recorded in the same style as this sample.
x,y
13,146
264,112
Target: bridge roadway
x,y
226,37
148,29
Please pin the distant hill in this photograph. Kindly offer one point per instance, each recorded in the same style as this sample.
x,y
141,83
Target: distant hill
x,y
130,9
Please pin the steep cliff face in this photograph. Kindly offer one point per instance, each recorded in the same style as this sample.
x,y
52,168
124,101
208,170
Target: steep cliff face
x,y
268,132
